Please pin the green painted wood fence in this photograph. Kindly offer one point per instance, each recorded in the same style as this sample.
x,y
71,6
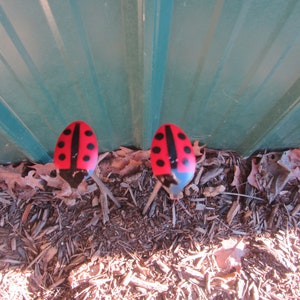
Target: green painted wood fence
x,y
226,71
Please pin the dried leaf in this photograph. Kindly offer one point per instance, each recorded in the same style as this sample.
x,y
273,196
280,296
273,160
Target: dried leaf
x,y
234,209
131,168
16,169
275,175
31,181
82,188
12,177
56,182
230,254
213,191
125,162
198,150
237,181
45,169
123,151
138,155
66,191
268,163
291,161
141,155
118,164
253,174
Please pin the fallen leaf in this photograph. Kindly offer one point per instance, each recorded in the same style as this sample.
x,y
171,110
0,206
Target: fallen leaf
x,y
230,254
16,169
31,181
198,150
10,177
123,151
237,179
43,169
55,182
211,191
141,155
234,209
118,164
124,162
254,173
69,195
274,175
83,188
59,183
268,163
131,168
291,161
13,176
65,191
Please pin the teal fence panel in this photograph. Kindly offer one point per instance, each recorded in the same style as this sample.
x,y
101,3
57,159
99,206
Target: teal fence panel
x,y
227,72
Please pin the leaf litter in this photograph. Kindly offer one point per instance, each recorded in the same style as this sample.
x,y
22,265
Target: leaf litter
x,y
236,234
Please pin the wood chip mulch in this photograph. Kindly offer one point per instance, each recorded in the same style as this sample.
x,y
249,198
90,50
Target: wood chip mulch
x,y
55,246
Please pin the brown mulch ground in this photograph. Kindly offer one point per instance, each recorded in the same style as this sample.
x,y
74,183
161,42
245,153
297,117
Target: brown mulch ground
x,y
55,245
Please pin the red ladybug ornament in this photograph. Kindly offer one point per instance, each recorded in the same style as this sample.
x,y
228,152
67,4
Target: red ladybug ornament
x,y
172,158
76,152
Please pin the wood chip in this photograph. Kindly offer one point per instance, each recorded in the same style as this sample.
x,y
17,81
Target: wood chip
x,y
148,285
234,209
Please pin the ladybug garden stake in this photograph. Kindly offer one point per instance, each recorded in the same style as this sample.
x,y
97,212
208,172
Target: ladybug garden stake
x,y
76,153
76,156
173,161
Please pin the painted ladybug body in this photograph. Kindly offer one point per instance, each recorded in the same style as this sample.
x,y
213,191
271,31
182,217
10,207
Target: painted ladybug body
x,y
76,152
172,158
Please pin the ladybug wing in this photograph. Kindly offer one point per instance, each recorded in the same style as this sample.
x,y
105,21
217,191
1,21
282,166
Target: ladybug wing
x,y
88,149
76,152
159,155
62,152
186,160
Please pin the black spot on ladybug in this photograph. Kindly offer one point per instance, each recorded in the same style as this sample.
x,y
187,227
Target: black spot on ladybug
x,y
62,156
88,133
159,136
156,150
160,163
86,158
185,161
90,146
67,131
181,136
61,144
187,149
